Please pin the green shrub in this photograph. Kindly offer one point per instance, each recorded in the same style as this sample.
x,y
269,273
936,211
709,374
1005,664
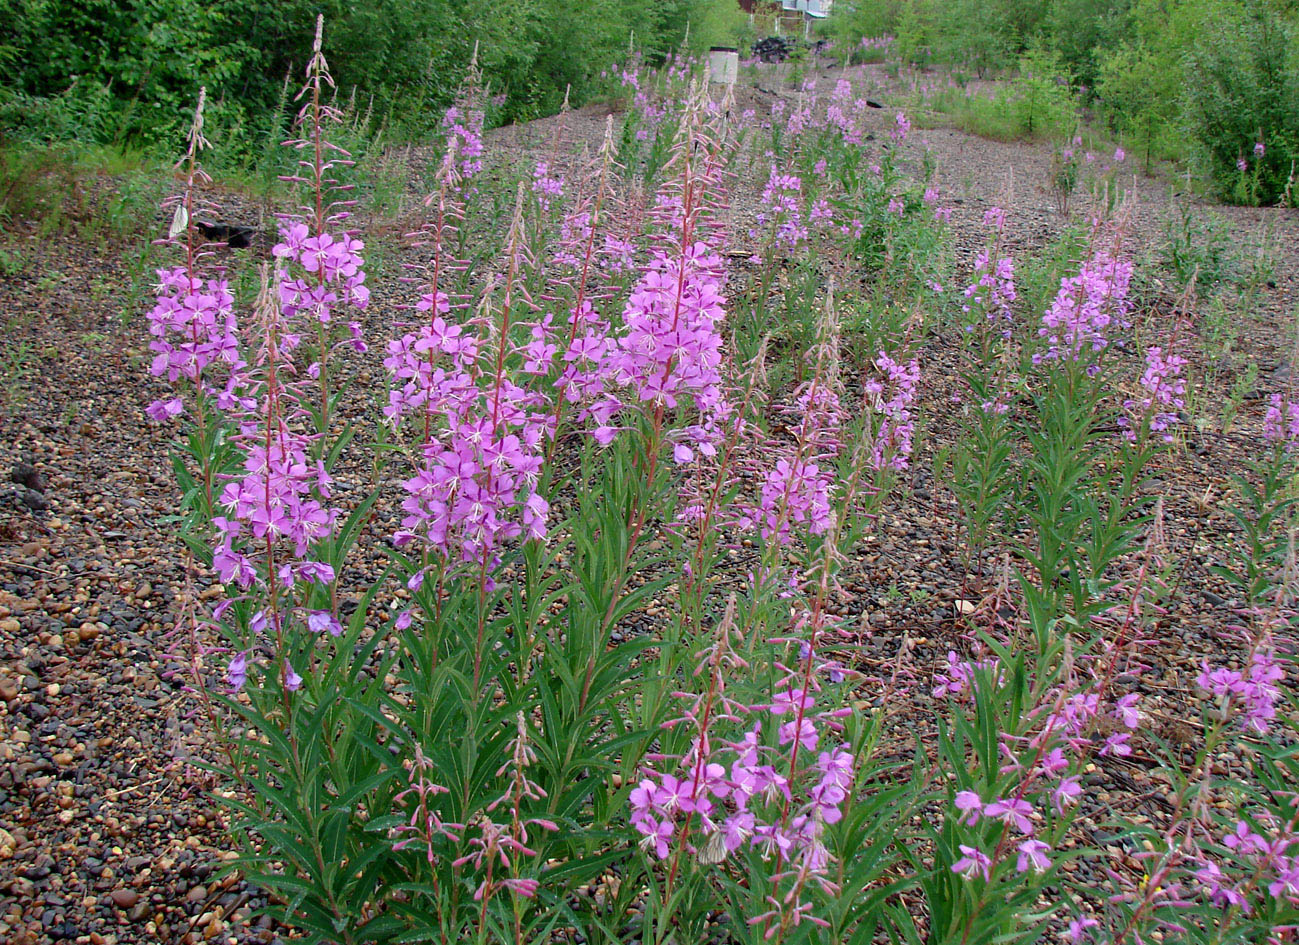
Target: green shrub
x,y
1037,103
1138,90
1242,89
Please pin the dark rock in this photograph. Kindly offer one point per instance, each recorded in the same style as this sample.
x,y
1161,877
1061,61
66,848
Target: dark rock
x,y
25,474
233,235
34,500
775,48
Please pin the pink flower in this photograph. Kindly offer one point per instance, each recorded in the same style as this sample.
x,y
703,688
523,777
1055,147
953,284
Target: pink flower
x,y
237,671
970,806
1067,793
321,621
1077,929
737,829
791,700
161,410
657,835
1013,811
803,732
973,863
1032,853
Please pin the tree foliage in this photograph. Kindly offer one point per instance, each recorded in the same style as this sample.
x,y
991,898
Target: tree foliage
x,y
137,64
1203,81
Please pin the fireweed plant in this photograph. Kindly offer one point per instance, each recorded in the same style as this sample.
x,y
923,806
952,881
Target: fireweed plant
x,y
607,685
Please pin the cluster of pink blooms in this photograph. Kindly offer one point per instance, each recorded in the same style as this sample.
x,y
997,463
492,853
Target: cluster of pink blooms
x,y
670,345
798,488
1281,424
901,128
992,291
798,120
844,112
651,112
891,396
574,235
193,326
796,491
332,273
740,803
619,254
961,676
275,512
1253,689
480,455
782,208
581,252
1256,860
276,503
321,270
1015,813
1074,719
1165,387
1087,307
464,126
547,185
477,485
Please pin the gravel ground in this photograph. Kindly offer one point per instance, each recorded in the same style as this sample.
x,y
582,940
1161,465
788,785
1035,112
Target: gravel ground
x,y
108,833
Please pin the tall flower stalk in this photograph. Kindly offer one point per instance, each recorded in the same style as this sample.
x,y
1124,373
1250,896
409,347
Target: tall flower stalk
x,y
322,277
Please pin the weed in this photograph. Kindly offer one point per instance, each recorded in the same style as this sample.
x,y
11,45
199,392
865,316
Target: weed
x,y
1199,247
15,363
12,262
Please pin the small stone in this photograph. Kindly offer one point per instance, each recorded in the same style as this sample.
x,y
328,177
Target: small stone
x,y
138,912
25,474
34,500
125,898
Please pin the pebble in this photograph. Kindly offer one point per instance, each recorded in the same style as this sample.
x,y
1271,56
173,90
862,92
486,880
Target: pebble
x,y
34,500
